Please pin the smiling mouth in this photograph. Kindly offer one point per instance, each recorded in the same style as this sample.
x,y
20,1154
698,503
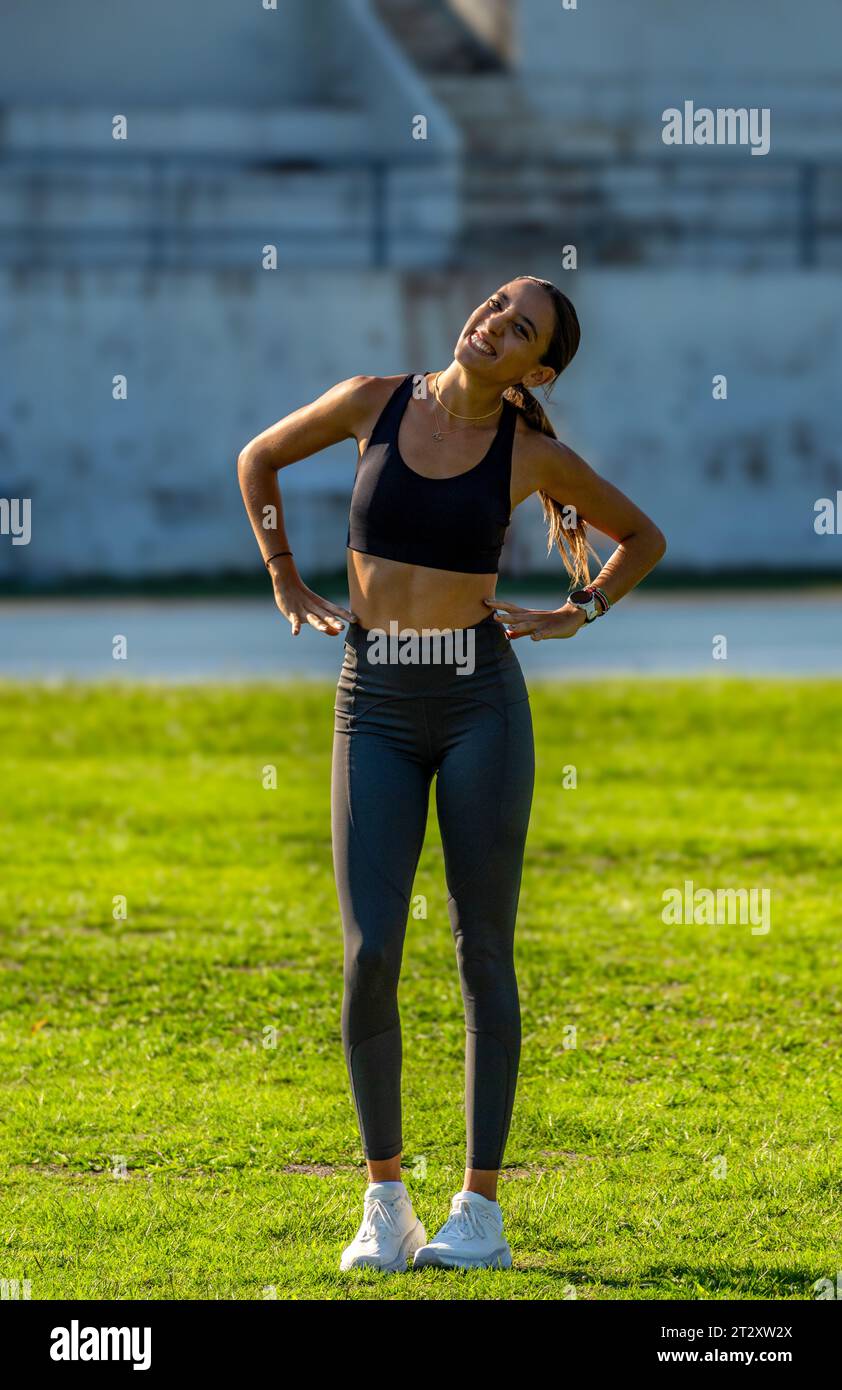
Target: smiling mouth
x,y
481,344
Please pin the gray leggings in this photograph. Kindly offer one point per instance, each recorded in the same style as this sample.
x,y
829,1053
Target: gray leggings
x,y
396,725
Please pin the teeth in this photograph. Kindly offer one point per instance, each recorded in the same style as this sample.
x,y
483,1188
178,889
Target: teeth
x,y
483,347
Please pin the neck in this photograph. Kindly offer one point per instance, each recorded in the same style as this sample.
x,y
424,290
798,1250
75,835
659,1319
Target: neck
x,y
464,394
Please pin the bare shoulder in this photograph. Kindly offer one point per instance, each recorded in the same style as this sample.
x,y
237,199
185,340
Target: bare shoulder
x,y
346,410
350,399
369,395
373,389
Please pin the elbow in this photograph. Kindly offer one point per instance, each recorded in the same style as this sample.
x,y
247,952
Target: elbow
x,y
252,457
659,544
245,460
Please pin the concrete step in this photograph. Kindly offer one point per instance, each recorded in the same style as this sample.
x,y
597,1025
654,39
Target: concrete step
x,y
494,114
500,114
434,38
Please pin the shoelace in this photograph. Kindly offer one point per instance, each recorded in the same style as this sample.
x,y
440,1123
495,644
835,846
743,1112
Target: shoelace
x,y
467,1220
375,1207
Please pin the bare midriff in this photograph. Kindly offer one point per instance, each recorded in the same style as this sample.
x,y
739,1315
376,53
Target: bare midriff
x,y
414,596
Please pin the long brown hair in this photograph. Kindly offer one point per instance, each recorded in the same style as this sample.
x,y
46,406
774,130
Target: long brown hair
x,y
572,541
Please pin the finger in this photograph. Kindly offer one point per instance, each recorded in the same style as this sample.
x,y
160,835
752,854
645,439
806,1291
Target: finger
x,y
321,624
318,615
295,623
331,614
506,607
324,606
339,610
519,615
326,623
520,626
334,624
514,634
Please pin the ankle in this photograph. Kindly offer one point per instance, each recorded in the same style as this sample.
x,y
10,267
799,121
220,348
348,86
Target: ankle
x,y
488,1203
489,1193
384,1170
388,1187
481,1181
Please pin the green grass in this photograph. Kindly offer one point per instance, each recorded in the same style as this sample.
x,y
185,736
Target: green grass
x,y
142,1040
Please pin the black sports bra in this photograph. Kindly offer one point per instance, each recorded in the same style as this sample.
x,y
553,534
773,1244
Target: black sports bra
x,y
454,523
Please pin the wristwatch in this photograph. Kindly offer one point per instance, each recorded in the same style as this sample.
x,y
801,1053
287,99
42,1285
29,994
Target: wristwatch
x,y
587,600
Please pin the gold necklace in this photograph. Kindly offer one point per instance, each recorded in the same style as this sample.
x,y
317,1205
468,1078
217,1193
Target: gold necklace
x,y
439,433
453,412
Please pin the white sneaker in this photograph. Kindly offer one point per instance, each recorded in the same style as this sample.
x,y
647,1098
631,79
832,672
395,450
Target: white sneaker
x,y
471,1237
389,1233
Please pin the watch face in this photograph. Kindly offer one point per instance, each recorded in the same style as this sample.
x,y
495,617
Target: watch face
x,y
580,596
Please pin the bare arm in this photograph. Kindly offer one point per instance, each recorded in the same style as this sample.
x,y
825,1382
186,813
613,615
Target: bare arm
x,y
339,414
567,477
554,468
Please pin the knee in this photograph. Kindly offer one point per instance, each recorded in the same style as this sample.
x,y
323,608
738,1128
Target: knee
x,y
371,968
488,975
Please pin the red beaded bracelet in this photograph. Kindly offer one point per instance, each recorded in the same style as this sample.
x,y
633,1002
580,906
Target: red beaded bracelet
x,y
599,596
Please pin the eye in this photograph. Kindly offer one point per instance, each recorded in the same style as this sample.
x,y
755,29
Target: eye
x,y
494,303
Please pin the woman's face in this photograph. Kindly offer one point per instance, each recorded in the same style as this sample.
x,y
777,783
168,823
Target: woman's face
x,y
505,338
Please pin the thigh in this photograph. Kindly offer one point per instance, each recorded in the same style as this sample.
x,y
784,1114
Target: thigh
x,y
380,784
484,799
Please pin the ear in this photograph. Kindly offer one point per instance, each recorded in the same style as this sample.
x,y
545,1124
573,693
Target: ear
x,y
539,376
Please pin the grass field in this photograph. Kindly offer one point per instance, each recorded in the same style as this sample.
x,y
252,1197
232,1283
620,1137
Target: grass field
x,y
688,1145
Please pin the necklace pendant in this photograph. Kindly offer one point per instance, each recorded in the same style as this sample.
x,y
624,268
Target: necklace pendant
x,y
437,435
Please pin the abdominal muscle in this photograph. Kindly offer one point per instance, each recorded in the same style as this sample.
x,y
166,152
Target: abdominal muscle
x,y
414,596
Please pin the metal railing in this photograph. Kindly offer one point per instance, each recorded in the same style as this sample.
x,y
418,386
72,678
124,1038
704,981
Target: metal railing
x,y
192,211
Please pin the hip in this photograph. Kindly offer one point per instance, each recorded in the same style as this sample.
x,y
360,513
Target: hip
x,y
457,668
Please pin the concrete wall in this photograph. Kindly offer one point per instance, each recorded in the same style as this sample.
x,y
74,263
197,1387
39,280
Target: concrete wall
x,y
148,486
607,70
230,112
161,53
203,66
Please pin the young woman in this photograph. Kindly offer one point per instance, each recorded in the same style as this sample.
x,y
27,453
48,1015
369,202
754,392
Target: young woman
x,y
444,458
